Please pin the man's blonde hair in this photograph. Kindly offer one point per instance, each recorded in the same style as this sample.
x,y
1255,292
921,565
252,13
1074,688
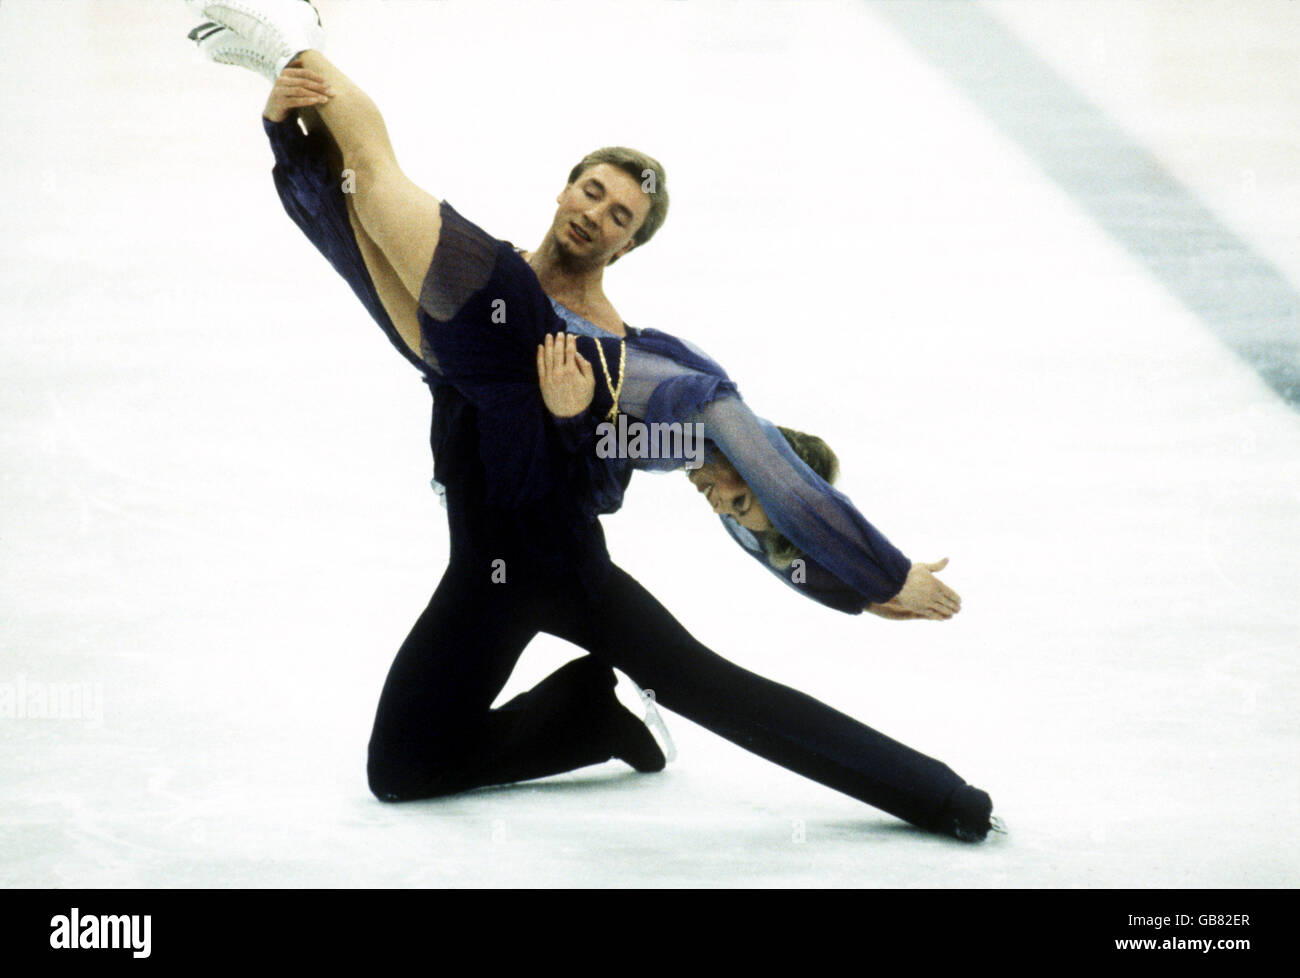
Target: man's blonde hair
x,y
646,171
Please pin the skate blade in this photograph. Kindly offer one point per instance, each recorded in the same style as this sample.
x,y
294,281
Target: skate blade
x,y
656,723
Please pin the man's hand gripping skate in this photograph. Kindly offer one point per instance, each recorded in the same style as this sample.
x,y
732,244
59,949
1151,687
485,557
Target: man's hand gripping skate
x,y
296,88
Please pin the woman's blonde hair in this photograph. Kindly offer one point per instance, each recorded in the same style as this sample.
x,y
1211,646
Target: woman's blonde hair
x,y
817,455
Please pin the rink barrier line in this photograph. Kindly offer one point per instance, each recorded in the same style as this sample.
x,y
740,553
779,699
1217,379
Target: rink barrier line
x,y
1117,182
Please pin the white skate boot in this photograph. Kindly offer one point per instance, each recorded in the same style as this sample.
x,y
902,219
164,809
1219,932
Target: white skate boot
x,y
279,30
225,47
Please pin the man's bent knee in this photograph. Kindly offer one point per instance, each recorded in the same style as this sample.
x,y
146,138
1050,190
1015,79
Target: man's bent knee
x,y
393,778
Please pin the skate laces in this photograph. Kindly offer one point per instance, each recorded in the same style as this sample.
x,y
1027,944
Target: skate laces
x,y
223,46
204,31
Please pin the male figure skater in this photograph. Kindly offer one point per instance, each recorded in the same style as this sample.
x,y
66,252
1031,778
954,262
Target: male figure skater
x,y
434,733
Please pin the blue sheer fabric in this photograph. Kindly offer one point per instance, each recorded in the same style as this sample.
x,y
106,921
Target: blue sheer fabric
x,y
482,314
314,202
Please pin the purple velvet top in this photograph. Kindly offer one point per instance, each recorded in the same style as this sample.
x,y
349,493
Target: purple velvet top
x,y
483,312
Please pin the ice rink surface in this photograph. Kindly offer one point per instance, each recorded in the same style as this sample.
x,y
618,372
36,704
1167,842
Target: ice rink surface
x,y
217,526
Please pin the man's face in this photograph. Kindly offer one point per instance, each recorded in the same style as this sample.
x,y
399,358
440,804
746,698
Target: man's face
x,y
598,215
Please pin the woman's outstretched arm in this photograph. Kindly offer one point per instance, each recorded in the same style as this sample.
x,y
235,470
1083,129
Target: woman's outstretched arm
x,y
820,521
851,566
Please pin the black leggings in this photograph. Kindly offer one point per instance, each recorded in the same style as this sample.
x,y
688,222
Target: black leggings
x,y
435,733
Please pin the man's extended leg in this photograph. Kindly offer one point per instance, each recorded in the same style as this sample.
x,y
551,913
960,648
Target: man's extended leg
x,y
631,630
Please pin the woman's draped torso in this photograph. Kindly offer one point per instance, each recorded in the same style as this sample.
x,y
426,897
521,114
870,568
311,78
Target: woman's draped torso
x,y
482,314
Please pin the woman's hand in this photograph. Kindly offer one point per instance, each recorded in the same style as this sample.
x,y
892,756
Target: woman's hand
x,y
923,596
296,88
568,384
892,610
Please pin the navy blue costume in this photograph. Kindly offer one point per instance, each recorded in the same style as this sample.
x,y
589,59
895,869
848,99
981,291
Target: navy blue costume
x,y
525,491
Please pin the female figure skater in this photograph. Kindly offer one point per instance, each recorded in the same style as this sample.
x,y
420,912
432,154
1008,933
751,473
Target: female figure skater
x,y
523,490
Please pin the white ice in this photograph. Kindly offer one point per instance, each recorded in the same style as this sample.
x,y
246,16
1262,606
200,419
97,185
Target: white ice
x,y
216,511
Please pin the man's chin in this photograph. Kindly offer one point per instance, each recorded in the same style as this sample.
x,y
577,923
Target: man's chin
x,y
572,257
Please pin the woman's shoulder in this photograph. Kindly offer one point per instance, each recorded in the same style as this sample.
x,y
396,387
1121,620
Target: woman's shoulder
x,y
682,351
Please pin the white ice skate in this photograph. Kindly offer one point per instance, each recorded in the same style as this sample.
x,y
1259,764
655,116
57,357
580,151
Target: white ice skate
x,y
279,30
225,47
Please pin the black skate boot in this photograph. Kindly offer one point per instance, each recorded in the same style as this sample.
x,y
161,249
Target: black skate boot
x,y
967,815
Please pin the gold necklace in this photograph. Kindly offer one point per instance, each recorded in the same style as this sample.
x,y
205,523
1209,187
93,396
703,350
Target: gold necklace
x,y
613,391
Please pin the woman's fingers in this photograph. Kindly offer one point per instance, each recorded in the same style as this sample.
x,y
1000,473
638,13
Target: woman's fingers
x,y
943,602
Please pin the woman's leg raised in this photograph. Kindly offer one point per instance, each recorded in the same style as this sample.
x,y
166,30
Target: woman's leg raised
x,y
399,303
400,218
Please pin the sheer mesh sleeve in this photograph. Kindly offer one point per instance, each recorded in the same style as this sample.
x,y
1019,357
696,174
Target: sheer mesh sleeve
x,y
660,390
808,578
482,315
817,519
462,265
844,552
